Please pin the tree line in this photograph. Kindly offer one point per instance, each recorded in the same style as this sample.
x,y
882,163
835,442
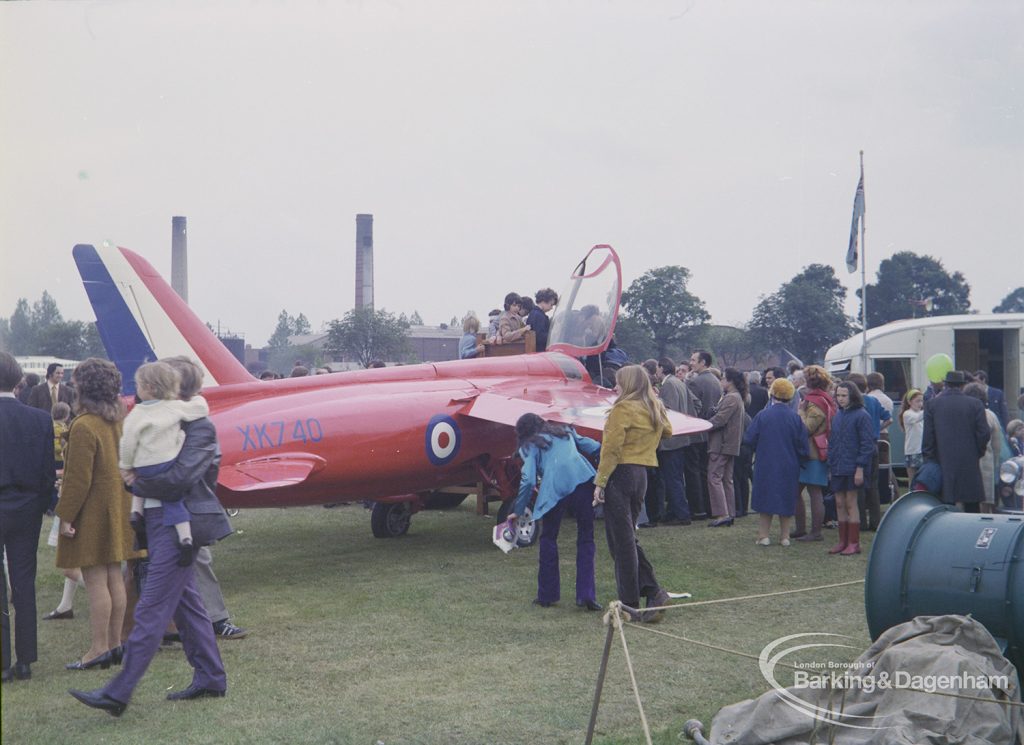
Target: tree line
x,y
804,317
362,335
660,317
40,329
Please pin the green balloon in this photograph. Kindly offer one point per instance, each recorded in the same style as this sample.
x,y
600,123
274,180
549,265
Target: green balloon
x,y
937,367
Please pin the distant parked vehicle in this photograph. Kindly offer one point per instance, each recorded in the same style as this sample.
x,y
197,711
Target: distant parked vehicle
x,y
37,364
900,350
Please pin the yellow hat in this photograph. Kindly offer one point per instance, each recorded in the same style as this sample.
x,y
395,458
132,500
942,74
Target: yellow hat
x,y
782,389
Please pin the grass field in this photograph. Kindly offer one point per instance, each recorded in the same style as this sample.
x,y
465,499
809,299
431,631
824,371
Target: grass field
x,y
432,638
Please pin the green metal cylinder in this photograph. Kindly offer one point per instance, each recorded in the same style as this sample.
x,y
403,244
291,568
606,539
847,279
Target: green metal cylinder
x,y
930,559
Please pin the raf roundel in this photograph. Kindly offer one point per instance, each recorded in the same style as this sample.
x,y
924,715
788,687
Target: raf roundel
x,y
443,439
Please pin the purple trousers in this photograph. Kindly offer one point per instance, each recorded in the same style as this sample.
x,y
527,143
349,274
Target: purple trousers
x,y
548,580
168,592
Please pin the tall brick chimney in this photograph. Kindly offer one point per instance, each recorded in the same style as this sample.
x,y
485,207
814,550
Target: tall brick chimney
x,y
364,261
179,257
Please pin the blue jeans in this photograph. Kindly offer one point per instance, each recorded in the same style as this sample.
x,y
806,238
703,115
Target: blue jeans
x,y
672,464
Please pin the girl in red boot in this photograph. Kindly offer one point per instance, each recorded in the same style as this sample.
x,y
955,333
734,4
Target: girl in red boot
x,y
851,446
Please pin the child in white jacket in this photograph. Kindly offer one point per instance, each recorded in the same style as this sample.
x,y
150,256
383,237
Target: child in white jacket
x,y
151,440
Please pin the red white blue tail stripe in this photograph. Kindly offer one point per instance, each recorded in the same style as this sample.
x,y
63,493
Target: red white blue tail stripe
x,y
141,319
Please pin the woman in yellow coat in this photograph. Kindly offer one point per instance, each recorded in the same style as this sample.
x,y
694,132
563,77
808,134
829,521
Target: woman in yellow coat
x,y
94,506
636,424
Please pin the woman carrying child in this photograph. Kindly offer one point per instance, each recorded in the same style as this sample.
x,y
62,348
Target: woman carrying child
x,y
169,590
152,440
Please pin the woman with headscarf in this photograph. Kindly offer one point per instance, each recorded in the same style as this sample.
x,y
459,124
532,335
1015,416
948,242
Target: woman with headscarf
x,y
94,506
636,424
779,441
816,411
552,451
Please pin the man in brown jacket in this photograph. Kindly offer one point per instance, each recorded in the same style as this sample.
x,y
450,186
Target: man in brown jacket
x,y
706,389
723,446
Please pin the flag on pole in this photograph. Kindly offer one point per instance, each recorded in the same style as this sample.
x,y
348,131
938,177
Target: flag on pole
x,y
858,215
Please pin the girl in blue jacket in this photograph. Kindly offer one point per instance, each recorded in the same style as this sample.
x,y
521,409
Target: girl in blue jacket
x,y
851,446
552,452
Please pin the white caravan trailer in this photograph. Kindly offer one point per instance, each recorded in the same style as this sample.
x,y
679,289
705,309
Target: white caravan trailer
x,y
900,350
38,365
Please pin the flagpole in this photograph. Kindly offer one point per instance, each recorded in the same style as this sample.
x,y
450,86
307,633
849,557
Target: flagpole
x,y
863,280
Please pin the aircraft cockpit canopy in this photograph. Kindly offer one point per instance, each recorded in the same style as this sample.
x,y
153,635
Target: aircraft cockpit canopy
x,y
584,319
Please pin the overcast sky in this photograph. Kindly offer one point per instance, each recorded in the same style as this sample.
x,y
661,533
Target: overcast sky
x,y
495,142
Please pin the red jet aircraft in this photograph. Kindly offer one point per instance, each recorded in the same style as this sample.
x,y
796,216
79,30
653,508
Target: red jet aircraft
x,y
396,435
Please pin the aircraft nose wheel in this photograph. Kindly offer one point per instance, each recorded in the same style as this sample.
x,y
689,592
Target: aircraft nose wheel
x,y
390,520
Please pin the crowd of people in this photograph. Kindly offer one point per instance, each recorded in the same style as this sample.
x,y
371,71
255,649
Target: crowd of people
x,y
137,489
767,445
143,555
520,315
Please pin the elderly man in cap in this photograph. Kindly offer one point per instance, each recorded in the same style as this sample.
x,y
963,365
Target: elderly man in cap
x,y
956,435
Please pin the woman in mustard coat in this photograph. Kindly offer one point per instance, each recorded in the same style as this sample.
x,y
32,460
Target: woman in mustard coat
x,y
94,506
636,424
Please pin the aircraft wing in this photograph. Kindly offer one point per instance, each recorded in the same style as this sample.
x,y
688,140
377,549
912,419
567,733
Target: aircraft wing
x,y
271,472
585,410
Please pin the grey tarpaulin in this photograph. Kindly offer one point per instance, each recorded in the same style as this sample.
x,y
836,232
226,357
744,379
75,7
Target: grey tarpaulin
x,y
926,646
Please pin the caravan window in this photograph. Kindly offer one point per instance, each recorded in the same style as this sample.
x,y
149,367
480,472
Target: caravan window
x,y
839,368
897,376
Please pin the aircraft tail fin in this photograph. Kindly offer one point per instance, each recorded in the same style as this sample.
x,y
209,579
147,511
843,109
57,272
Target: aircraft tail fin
x,y
141,319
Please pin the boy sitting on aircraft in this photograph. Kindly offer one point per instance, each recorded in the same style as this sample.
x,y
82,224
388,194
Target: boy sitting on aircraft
x,y
151,441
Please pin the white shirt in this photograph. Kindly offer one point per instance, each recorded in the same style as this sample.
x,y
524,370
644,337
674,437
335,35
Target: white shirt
x,y
914,422
882,399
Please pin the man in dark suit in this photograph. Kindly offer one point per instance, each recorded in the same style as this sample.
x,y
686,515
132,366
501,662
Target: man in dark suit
x,y
758,394
27,473
956,435
672,451
996,400
51,390
30,381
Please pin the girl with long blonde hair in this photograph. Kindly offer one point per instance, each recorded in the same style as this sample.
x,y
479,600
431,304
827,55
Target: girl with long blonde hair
x,y
636,424
634,384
